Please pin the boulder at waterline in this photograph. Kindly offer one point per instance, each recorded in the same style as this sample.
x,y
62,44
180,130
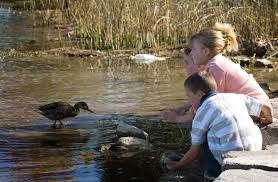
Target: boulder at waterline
x,y
126,130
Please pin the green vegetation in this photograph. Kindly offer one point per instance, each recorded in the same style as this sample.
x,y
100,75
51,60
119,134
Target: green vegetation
x,y
120,24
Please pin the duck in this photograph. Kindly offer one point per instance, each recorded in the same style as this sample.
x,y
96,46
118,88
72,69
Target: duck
x,y
58,111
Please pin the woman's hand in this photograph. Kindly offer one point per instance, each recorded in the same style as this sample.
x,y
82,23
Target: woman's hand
x,y
266,115
169,116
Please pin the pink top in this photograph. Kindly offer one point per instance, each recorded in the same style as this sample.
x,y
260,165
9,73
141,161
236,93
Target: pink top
x,y
231,78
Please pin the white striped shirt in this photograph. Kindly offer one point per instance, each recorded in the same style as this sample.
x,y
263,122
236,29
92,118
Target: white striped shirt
x,y
224,119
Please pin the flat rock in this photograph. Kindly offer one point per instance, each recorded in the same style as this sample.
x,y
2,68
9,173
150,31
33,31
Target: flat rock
x,y
270,133
250,175
264,159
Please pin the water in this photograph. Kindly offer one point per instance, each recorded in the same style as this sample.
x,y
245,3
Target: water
x,y
17,32
117,90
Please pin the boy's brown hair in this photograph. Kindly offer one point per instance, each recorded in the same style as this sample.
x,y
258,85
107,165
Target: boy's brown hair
x,y
202,81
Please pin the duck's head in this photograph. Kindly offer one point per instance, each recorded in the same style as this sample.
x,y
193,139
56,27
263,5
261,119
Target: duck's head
x,y
83,105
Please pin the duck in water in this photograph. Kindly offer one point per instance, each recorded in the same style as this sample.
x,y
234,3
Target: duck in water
x,y
57,111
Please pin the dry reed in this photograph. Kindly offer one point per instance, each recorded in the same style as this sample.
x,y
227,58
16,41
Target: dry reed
x,y
120,24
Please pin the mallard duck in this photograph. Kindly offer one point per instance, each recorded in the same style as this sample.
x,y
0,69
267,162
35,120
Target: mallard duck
x,y
57,111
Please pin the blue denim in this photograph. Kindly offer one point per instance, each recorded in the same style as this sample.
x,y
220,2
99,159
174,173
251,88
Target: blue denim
x,y
213,168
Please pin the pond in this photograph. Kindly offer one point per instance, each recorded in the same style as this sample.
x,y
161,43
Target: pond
x,y
117,90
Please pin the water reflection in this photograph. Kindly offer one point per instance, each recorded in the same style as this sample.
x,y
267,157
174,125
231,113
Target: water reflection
x,y
119,86
17,32
39,152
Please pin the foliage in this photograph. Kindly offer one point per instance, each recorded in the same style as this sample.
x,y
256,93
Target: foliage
x,y
118,24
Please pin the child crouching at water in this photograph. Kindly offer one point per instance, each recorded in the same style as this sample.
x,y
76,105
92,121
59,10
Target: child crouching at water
x,y
221,124
208,47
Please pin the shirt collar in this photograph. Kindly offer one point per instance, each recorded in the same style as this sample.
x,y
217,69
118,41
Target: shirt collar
x,y
205,97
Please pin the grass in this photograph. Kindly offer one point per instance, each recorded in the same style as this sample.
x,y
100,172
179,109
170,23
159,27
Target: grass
x,y
120,24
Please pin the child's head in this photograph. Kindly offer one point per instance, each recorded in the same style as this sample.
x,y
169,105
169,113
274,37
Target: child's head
x,y
209,42
197,85
189,65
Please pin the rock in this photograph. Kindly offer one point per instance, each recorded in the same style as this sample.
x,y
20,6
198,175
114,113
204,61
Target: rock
x,y
125,130
260,49
263,159
244,62
270,133
263,63
274,102
265,87
250,175
105,148
273,94
133,143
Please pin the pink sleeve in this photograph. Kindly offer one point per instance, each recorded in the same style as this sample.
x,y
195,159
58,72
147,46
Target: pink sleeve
x,y
219,76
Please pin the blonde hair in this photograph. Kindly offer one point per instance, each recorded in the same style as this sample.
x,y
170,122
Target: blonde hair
x,y
220,38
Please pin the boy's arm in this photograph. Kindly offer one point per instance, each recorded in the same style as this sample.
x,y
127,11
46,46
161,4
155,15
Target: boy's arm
x,y
188,158
266,113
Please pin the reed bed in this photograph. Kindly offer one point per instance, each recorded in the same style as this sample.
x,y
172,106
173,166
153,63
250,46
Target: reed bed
x,y
157,24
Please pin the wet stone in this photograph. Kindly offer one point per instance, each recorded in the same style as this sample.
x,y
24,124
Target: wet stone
x,y
125,130
132,143
263,63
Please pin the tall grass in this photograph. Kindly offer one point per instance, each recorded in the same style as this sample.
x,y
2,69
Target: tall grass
x,y
120,24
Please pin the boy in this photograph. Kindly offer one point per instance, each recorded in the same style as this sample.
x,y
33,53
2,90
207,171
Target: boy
x,y
221,124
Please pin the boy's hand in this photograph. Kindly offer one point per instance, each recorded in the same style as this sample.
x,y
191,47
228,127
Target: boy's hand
x,y
172,165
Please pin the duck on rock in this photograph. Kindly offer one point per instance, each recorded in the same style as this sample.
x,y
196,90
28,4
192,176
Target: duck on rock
x,y
57,111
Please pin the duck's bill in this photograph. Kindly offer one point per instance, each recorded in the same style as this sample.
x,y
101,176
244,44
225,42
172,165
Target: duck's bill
x,y
90,110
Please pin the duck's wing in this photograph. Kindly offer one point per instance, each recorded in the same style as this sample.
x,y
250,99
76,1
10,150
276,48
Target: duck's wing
x,y
57,110
53,106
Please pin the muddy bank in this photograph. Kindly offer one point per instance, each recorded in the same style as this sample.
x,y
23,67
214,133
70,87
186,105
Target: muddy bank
x,y
75,52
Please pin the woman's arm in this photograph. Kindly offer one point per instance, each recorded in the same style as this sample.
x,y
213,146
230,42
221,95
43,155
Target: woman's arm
x,y
266,114
183,109
177,115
